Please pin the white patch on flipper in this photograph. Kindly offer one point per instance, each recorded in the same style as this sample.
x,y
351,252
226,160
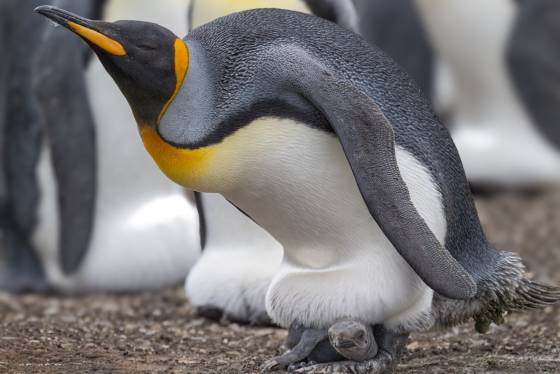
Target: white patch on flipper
x,y
337,262
237,264
496,138
145,228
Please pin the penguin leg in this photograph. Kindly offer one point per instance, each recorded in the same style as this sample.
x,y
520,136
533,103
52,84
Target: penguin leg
x,y
304,346
217,314
391,345
210,312
323,352
20,269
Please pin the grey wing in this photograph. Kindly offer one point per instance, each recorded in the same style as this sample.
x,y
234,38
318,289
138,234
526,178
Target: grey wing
x,y
533,56
368,142
60,88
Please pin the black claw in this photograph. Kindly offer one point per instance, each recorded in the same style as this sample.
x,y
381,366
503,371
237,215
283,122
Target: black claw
x,y
210,312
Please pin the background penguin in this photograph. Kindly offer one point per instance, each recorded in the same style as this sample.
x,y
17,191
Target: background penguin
x,y
239,258
392,25
144,230
401,247
82,215
493,130
20,136
533,55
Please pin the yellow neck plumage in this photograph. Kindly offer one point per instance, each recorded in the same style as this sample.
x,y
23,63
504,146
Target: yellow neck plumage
x,y
180,165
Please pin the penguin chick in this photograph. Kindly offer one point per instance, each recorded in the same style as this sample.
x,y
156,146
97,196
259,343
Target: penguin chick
x,y
400,248
346,339
353,339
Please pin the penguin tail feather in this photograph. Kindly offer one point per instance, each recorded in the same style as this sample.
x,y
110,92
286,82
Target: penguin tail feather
x,y
505,290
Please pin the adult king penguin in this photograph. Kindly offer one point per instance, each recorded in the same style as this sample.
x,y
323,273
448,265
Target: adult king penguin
x,y
400,247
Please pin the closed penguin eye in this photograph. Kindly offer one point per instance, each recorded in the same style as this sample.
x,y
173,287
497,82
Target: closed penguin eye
x,y
147,46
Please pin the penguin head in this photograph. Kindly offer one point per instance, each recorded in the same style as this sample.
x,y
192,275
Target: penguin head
x,y
147,61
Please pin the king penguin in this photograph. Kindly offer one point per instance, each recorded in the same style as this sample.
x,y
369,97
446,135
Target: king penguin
x,y
488,47
83,214
400,247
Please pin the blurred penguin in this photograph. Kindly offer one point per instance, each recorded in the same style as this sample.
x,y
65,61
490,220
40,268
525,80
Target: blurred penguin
x,y
20,136
533,56
144,230
239,257
495,114
83,208
392,25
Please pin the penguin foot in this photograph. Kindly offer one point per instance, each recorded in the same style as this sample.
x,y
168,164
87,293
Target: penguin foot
x,y
271,365
20,269
300,365
260,319
217,314
210,312
381,364
14,281
302,342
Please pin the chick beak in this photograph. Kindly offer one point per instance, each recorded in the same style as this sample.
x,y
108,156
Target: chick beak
x,y
91,31
344,344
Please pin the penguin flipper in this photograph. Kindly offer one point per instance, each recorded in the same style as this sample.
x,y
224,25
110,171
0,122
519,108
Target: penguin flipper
x,y
69,126
368,142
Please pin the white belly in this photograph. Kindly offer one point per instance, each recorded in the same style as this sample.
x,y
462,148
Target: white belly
x,y
145,232
337,262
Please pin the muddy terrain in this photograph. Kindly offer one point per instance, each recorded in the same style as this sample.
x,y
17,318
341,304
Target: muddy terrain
x,y
158,332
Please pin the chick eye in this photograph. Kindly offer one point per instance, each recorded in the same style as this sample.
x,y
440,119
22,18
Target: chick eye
x,y
360,335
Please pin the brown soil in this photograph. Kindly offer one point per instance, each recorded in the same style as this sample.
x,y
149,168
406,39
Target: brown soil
x,y
157,332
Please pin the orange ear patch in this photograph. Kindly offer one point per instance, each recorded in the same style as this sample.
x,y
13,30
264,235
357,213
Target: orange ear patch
x,y
181,67
105,43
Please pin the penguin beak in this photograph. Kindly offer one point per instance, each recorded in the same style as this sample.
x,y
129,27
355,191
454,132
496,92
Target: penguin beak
x,y
342,343
91,31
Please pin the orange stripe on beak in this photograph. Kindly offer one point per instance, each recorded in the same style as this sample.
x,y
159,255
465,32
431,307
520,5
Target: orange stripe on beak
x,y
105,43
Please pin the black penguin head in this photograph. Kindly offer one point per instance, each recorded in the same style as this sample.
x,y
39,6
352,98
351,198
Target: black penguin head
x,y
147,61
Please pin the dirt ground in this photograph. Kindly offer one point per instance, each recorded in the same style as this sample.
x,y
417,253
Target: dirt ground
x,y
158,332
